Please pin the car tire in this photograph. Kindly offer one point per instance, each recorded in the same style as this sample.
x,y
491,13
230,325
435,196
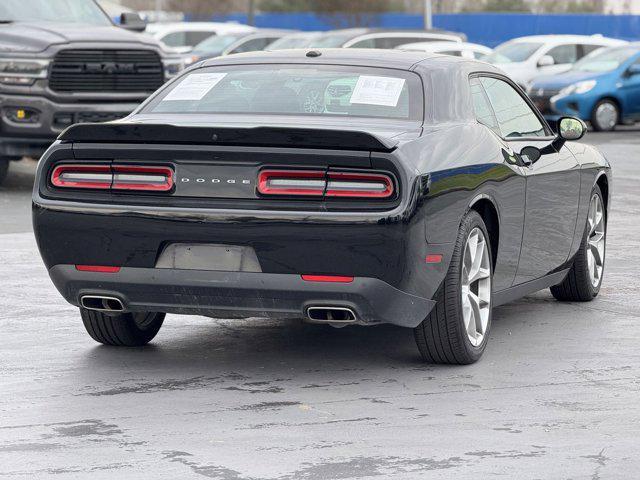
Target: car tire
x,y
605,115
448,335
122,329
4,169
584,279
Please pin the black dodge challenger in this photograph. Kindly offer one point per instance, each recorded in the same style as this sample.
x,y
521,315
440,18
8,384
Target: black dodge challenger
x,y
340,186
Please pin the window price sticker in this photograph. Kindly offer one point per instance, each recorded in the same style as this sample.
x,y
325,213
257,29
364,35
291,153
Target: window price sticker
x,y
372,90
195,86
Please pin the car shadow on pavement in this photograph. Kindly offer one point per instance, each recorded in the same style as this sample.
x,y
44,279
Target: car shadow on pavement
x,y
211,346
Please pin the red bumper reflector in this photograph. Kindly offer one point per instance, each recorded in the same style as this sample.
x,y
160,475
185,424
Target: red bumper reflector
x,y
327,278
434,258
97,268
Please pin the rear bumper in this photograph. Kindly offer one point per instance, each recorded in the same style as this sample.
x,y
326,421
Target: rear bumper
x,y
241,294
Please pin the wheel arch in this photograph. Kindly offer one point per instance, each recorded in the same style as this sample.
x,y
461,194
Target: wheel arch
x,y
614,100
486,207
602,181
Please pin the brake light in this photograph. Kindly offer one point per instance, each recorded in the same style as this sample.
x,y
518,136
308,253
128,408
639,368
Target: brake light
x,y
113,177
367,185
130,177
82,176
291,182
329,184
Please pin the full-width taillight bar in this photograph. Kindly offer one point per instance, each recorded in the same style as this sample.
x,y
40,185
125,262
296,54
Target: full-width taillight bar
x,y
320,183
113,177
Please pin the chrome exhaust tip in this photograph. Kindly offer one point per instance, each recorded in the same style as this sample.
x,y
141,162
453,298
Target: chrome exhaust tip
x,y
101,303
330,314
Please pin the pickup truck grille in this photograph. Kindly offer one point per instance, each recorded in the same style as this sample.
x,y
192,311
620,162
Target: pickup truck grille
x,y
106,71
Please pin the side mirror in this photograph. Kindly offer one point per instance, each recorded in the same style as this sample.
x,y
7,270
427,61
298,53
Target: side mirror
x,y
570,128
132,21
633,70
546,61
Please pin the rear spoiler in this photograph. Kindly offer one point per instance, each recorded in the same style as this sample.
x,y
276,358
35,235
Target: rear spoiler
x,y
252,136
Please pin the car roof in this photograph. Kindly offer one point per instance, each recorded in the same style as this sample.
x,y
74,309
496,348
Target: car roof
x,y
562,38
356,32
361,57
222,27
437,46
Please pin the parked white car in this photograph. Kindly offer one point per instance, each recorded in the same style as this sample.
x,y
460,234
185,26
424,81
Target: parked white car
x,y
457,49
526,58
382,37
181,37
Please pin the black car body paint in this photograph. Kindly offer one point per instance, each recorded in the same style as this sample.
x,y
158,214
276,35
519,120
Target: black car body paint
x,y
442,166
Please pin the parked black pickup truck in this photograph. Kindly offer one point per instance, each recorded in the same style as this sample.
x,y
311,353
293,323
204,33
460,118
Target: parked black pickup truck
x,y
64,62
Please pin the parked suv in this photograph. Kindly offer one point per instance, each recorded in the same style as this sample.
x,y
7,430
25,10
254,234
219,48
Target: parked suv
x,y
526,58
65,62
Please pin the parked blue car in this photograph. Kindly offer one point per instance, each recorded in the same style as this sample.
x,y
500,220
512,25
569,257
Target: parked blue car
x,y
603,88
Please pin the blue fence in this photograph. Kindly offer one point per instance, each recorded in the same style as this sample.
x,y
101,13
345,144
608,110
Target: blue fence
x,y
485,28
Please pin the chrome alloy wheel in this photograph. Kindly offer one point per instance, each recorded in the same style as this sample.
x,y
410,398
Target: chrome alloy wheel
x,y
607,115
596,240
476,286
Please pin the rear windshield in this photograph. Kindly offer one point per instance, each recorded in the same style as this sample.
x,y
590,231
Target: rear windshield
x,y
294,90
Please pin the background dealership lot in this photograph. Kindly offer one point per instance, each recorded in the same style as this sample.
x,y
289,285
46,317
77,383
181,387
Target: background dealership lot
x,y
555,396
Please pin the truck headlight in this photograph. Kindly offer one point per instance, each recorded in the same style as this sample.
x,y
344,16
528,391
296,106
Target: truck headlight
x,y
22,71
579,88
172,67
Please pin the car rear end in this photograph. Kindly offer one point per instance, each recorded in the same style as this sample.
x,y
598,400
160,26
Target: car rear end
x,y
235,221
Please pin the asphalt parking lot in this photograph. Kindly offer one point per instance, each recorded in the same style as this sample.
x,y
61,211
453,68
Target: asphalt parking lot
x,y
556,395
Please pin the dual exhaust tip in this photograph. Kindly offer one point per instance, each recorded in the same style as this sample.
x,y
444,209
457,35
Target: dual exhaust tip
x,y
101,303
331,314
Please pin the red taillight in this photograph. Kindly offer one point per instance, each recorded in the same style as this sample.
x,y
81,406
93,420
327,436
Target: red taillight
x,y
329,184
82,176
364,185
97,268
130,177
291,182
327,278
113,177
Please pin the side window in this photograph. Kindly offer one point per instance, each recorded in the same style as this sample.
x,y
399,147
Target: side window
x,y
368,43
175,39
393,42
515,117
482,108
195,37
455,53
251,45
587,49
564,54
